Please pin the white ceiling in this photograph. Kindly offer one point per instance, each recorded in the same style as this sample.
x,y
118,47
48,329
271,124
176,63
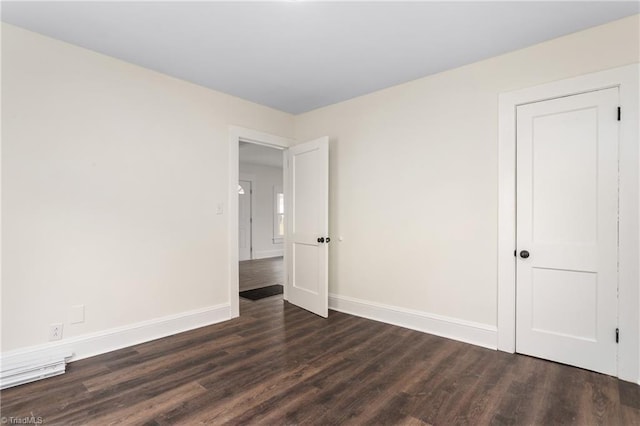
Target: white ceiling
x,y
298,56
251,153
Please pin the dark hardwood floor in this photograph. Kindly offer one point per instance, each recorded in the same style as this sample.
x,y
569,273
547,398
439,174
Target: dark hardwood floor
x,y
261,273
278,364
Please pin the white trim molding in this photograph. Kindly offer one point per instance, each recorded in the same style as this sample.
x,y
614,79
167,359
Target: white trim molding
x,y
26,368
626,78
237,134
451,328
46,360
264,254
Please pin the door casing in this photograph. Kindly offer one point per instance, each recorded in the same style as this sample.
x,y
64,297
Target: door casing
x,y
237,134
627,80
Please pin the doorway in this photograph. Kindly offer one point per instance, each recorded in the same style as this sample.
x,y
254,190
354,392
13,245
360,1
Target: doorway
x,y
260,222
237,135
305,196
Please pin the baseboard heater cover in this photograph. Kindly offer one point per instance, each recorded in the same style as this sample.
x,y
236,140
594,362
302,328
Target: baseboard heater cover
x,y
14,372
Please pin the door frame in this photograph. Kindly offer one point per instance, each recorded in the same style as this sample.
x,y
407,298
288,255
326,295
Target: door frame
x,y
236,135
626,78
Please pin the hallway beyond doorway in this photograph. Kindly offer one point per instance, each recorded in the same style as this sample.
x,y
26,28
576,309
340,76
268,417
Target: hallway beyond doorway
x,y
261,273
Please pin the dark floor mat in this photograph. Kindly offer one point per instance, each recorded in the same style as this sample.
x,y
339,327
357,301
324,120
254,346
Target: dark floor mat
x,y
261,293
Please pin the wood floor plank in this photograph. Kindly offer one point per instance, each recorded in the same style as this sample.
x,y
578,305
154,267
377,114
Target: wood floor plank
x,y
278,364
628,416
126,377
482,400
522,397
599,399
378,394
236,405
123,395
149,408
37,390
629,394
261,273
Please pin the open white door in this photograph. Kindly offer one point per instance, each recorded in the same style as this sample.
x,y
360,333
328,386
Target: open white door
x,y
308,226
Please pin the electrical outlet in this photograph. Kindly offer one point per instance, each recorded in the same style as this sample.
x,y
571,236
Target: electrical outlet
x,y
55,331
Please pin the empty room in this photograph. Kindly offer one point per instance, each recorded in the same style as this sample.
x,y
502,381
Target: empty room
x,y
323,213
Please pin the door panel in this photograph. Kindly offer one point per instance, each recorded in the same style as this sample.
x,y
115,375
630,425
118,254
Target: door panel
x,y
307,278
306,189
308,177
564,303
565,181
567,218
244,221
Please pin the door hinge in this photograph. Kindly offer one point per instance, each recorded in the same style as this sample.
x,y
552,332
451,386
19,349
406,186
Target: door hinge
x,y
619,112
617,335
515,253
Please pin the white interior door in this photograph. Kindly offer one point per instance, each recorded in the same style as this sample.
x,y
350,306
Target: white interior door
x,y
567,222
244,220
308,225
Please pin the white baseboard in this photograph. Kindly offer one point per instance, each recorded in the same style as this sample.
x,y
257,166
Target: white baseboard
x,y
451,328
75,348
30,368
263,254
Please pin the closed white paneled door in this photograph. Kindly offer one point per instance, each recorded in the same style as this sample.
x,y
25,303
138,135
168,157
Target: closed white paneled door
x,y
244,219
567,230
308,226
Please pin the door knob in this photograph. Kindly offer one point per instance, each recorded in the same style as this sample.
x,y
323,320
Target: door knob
x,y
524,254
328,239
321,239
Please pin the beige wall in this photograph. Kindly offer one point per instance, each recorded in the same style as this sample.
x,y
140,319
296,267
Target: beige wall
x,y
111,175
414,175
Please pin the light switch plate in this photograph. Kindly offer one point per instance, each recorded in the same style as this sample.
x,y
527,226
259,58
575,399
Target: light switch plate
x,y
76,315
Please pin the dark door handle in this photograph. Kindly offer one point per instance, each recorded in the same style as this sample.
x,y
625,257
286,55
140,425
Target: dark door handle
x,y
328,239
524,254
321,239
